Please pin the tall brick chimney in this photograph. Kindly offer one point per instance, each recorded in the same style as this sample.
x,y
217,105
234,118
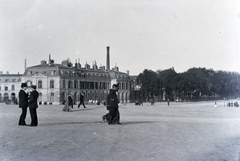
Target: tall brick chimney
x,y
108,58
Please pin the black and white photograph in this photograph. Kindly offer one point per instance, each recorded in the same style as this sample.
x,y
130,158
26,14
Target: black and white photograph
x,y
120,80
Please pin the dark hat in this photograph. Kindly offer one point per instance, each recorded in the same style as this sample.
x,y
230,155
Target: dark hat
x,y
24,85
115,85
34,87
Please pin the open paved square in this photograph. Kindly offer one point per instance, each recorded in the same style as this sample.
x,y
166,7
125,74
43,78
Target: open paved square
x,y
179,132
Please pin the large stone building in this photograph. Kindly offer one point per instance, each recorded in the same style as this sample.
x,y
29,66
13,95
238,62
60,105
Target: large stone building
x,y
9,86
55,81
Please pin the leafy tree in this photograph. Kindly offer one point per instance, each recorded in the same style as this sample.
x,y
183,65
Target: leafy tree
x,y
148,81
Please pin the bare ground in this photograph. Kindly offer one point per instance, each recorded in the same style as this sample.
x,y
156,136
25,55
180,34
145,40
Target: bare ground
x,y
179,132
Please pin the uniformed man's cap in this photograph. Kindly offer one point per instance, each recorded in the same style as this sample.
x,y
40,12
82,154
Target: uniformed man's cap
x,y
115,85
34,87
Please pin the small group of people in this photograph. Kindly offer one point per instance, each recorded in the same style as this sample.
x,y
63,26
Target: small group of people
x,y
28,99
68,107
112,104
231,104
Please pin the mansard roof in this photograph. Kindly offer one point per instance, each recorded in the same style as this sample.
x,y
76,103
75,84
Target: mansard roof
x,y
59,67
10,75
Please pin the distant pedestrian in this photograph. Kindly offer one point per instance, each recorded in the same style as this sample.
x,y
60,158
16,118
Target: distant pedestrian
x,y
81,100
152,101
68,107
23,103
33,105
70,101
168,102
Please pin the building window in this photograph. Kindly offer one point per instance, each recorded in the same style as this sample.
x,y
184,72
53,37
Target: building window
x,y
13,87
53,72
91,85
70,84
29,83
51,83
75,84
64,86
96,85
6,88
81,85
39,84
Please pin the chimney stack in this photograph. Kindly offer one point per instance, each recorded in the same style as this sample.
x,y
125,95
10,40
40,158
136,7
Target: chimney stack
x,y
108,58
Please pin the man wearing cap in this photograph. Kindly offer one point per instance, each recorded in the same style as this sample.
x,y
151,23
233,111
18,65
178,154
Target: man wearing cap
x,y
113,117
81,100
33,105
23,103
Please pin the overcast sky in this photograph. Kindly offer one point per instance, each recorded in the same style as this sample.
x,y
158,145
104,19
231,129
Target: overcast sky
x,y
142,34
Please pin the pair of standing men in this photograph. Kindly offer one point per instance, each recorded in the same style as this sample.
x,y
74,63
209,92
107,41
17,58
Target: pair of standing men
x,y
26,101
113,117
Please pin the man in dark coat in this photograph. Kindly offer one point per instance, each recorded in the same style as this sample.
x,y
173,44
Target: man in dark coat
x,y
114,116
81,100
106,116
23,103
33,105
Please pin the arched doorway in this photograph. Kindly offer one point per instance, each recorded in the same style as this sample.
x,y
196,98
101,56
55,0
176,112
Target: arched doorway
x,y
75,97
63,98
40,97
52,97
13,97
6,97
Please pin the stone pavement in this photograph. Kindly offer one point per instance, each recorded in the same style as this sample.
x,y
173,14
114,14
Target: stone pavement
x,y
179,132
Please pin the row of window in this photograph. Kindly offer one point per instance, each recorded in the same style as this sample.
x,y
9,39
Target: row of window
x,y
73,73
84,85
69,73
6,88
11,80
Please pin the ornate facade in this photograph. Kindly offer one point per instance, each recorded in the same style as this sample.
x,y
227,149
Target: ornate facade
x,y
55,81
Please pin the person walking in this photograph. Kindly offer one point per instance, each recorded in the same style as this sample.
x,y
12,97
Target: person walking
x,y
81,100
33,105
114,116
68,107
23,103
106,116
70,102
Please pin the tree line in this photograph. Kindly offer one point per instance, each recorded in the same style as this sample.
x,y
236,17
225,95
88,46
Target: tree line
x,y
193,85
